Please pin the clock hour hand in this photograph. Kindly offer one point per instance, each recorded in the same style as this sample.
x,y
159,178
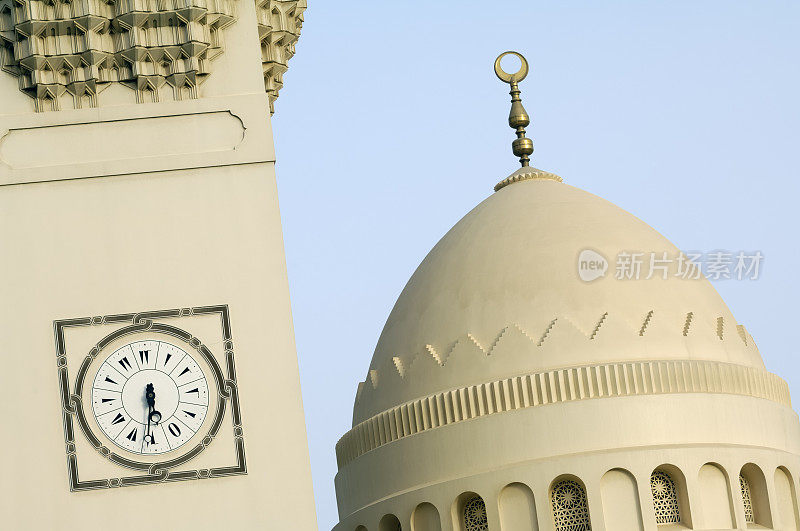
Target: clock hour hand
x,y
150,396
153,414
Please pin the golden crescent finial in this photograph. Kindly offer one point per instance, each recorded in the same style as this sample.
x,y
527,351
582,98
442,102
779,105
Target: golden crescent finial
x,y
517,118
515,77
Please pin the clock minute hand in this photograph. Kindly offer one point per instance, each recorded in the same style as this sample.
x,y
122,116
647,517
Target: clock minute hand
x,y
150,398
153,416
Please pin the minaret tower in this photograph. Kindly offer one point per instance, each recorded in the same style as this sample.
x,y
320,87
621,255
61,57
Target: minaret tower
x,y
149,376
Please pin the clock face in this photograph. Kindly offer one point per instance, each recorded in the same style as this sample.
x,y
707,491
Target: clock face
x,y
150,397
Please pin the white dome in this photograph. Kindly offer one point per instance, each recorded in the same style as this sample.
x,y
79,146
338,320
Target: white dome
x,y
500,296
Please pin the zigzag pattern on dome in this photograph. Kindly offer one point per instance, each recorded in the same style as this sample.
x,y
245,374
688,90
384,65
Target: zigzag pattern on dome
x,y
653,337
279,25
159,48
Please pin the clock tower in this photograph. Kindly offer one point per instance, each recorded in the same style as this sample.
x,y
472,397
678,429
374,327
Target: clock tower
x,y
149,374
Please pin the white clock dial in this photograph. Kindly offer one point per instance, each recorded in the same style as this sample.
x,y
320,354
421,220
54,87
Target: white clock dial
x,y
150,397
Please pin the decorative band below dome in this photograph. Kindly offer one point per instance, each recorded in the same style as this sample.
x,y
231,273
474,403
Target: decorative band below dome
x,y
555,386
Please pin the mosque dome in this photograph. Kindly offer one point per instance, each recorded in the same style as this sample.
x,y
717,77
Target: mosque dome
x,y
556,364
500,296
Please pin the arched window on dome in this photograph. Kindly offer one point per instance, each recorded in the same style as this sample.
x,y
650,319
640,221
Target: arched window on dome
x,y
389,523
753,487
426,518
666,498
475,515
714,493
517,508
570,506
785,498
469,513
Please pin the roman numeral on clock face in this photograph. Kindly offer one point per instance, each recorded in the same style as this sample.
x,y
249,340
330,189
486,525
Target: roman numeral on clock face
x,y
119,418
126,364
144,355
132,435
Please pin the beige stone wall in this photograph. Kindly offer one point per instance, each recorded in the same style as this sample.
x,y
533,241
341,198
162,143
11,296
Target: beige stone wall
x,y
126,207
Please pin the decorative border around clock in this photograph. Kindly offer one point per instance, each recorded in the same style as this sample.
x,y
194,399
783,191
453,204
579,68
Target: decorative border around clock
x,y
158,472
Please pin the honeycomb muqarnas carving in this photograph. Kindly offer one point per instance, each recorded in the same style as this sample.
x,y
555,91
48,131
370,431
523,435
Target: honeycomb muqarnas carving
x,y
62,48
279,25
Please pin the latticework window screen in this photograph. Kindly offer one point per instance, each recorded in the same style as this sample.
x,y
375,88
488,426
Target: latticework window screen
x,y
749,515
665,498
475,515
570,510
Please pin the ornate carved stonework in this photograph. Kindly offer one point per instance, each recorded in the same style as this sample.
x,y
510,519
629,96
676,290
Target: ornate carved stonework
x,y
79,47
279,25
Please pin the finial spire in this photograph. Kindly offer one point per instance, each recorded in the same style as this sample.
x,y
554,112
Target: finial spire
x,y
518,119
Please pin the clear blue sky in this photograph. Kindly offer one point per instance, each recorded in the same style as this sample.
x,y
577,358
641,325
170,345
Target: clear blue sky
x,y
392,126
